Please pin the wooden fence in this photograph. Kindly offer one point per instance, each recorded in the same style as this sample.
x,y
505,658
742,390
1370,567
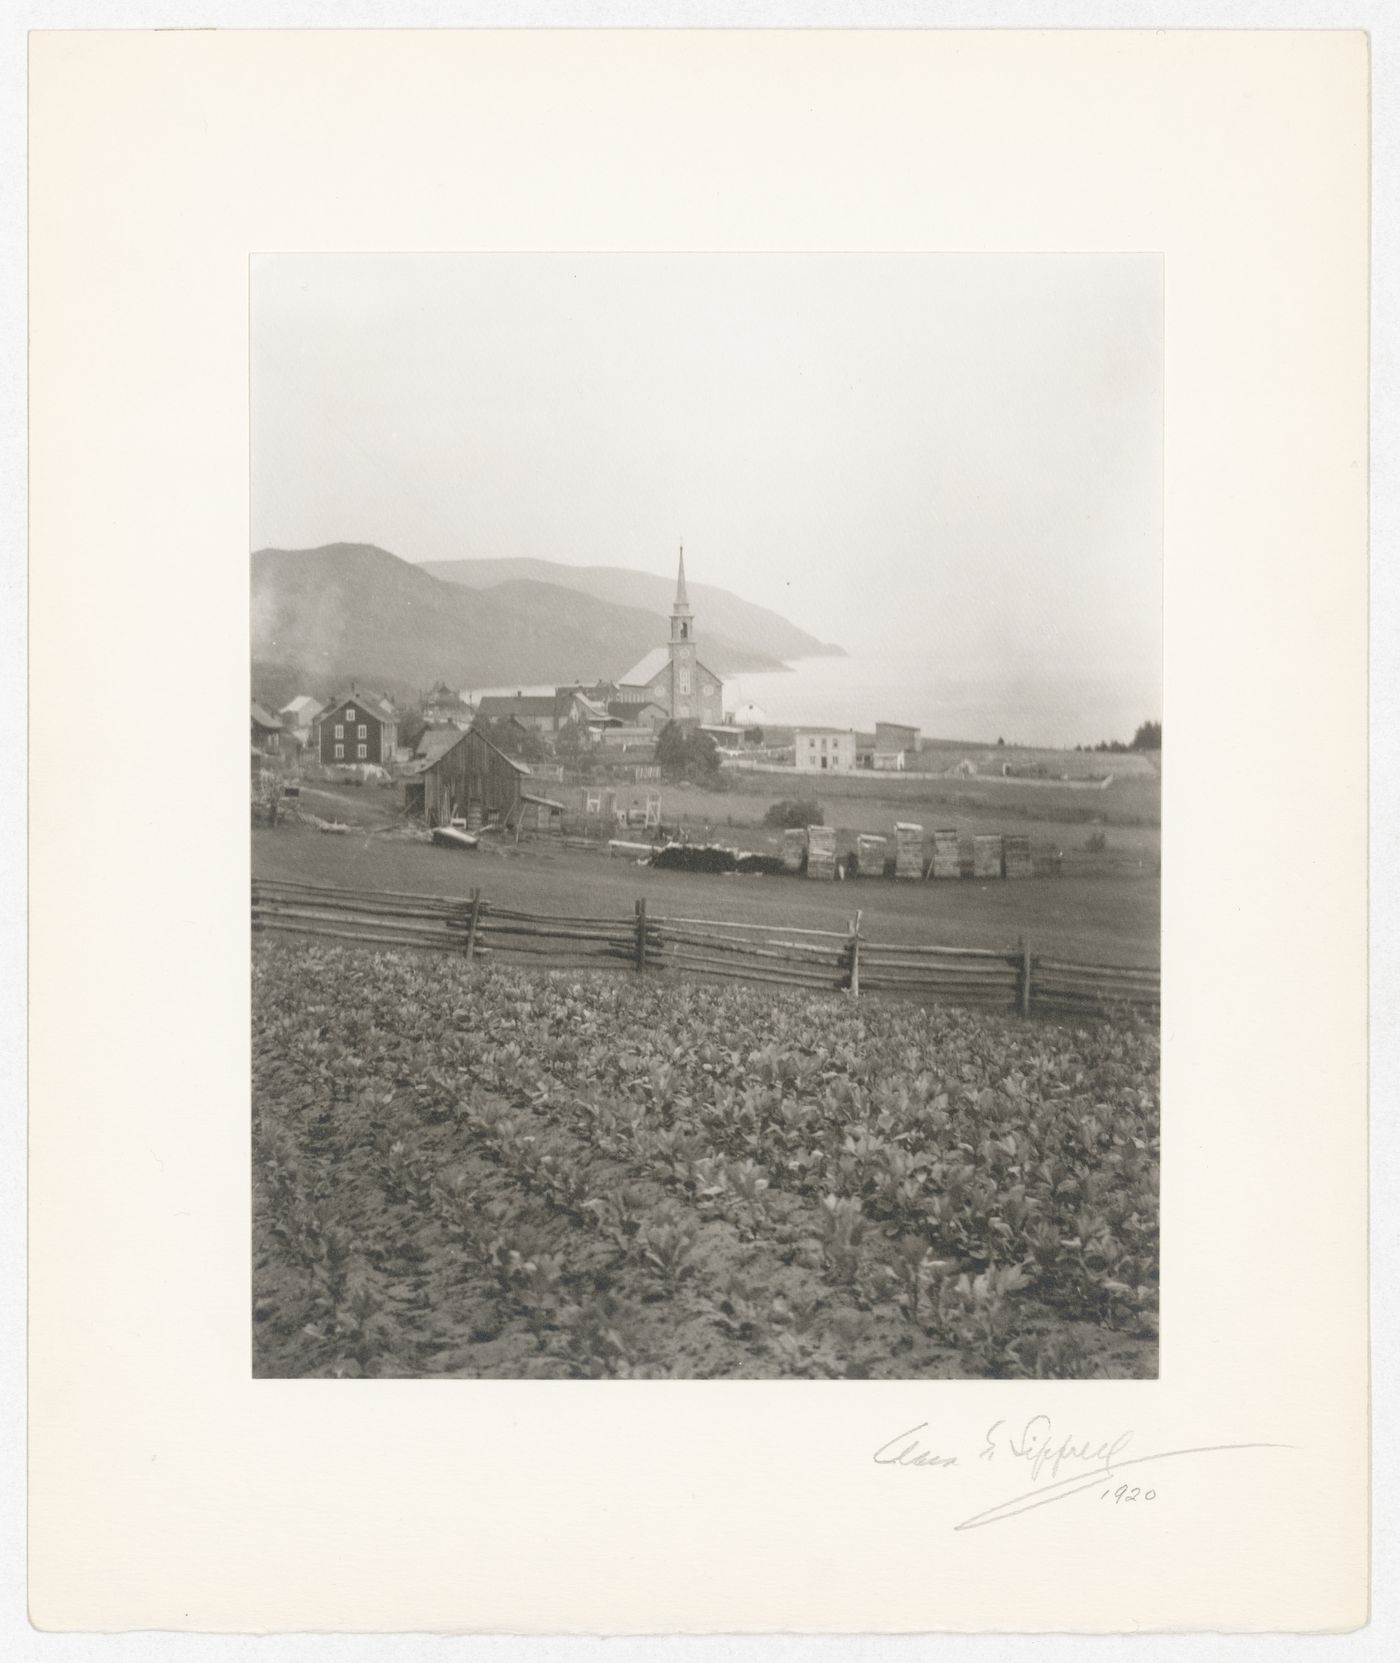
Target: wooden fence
x,y
781,955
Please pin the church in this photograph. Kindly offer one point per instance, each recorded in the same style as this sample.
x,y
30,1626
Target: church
x,y
673,676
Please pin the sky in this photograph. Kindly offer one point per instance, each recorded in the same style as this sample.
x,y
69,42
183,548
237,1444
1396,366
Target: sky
x,y
954,456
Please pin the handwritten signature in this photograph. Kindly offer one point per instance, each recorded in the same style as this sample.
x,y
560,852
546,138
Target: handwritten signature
x,y
1038,1445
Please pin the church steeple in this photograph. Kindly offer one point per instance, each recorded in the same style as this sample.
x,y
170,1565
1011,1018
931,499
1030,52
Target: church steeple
x,y
680,608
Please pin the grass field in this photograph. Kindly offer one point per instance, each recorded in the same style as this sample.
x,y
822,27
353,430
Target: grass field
x,y
1110,918
479,1172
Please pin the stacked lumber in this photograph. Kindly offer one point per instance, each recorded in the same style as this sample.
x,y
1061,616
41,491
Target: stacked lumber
x,y
946,862
1018,857
908,850
794,848
986,855
870,855
821,852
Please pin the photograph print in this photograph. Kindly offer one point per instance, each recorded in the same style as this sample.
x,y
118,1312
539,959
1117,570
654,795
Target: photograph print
x,y
705,779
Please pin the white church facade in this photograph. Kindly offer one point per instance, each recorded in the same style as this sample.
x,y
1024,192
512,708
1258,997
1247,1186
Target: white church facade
x,y
673,676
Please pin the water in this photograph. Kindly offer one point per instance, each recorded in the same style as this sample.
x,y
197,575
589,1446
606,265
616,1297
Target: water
x,y
1037,706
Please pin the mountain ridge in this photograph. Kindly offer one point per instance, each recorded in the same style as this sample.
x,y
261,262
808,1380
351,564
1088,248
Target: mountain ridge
x,y
325,615
736,625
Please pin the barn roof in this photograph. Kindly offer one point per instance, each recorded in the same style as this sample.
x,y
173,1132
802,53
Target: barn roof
x,y
423,763
436,742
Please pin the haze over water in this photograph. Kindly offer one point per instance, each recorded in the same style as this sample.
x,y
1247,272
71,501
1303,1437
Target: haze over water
x,y
1044,707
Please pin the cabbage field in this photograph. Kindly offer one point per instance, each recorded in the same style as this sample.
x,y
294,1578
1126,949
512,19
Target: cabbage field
x,y
483,1172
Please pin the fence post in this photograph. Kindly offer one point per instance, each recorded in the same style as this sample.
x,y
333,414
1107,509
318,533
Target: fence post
x,y
641,936
1025,948
471,924
855,956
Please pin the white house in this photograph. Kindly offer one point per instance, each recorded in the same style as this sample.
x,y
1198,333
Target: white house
x,y
830,750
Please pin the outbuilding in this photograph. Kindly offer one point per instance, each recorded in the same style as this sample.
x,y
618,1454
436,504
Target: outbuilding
x,y
464,776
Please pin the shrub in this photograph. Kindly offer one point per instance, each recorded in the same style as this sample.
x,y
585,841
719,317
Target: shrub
x,y
794,812
1096,843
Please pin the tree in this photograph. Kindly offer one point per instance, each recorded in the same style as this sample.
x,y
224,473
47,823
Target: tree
x,y
1148,737
793,812
686,754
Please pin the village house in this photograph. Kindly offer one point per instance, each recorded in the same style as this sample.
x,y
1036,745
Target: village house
x,y
673,676
574,709
443,705
361,727
532,710
822,750
298,718
896,736
750,715
266,732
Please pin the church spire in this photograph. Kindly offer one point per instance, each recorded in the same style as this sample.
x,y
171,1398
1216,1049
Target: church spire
x,y
682,604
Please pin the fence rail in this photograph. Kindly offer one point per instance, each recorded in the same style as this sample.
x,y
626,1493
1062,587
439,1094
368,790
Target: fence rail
x,y
774,954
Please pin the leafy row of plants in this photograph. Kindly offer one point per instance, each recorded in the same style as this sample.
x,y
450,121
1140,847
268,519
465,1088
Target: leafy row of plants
x,y
883,1177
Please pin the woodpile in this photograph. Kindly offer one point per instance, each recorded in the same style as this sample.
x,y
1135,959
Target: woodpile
x,y
986,855
821,852
794,848
908,850
946,861
870,855
1018,857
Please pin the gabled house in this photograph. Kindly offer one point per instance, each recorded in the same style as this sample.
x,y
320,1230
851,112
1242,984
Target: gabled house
x,y
445,705
533,711
266,732
360,727
574,709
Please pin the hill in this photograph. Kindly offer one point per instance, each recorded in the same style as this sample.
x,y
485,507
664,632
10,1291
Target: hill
x,y
734,633
322,616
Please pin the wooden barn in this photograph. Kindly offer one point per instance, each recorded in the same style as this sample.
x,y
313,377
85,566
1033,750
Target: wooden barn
x,y
466,777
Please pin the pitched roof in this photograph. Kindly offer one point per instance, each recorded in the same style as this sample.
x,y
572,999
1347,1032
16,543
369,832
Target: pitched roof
x,y
303,704
512,691
375,703
526,704
261,717
648,668
436,742
427,759
628,710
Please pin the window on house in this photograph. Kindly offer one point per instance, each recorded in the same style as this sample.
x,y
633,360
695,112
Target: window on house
x,y
363,751
339,752
349,715
364,731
